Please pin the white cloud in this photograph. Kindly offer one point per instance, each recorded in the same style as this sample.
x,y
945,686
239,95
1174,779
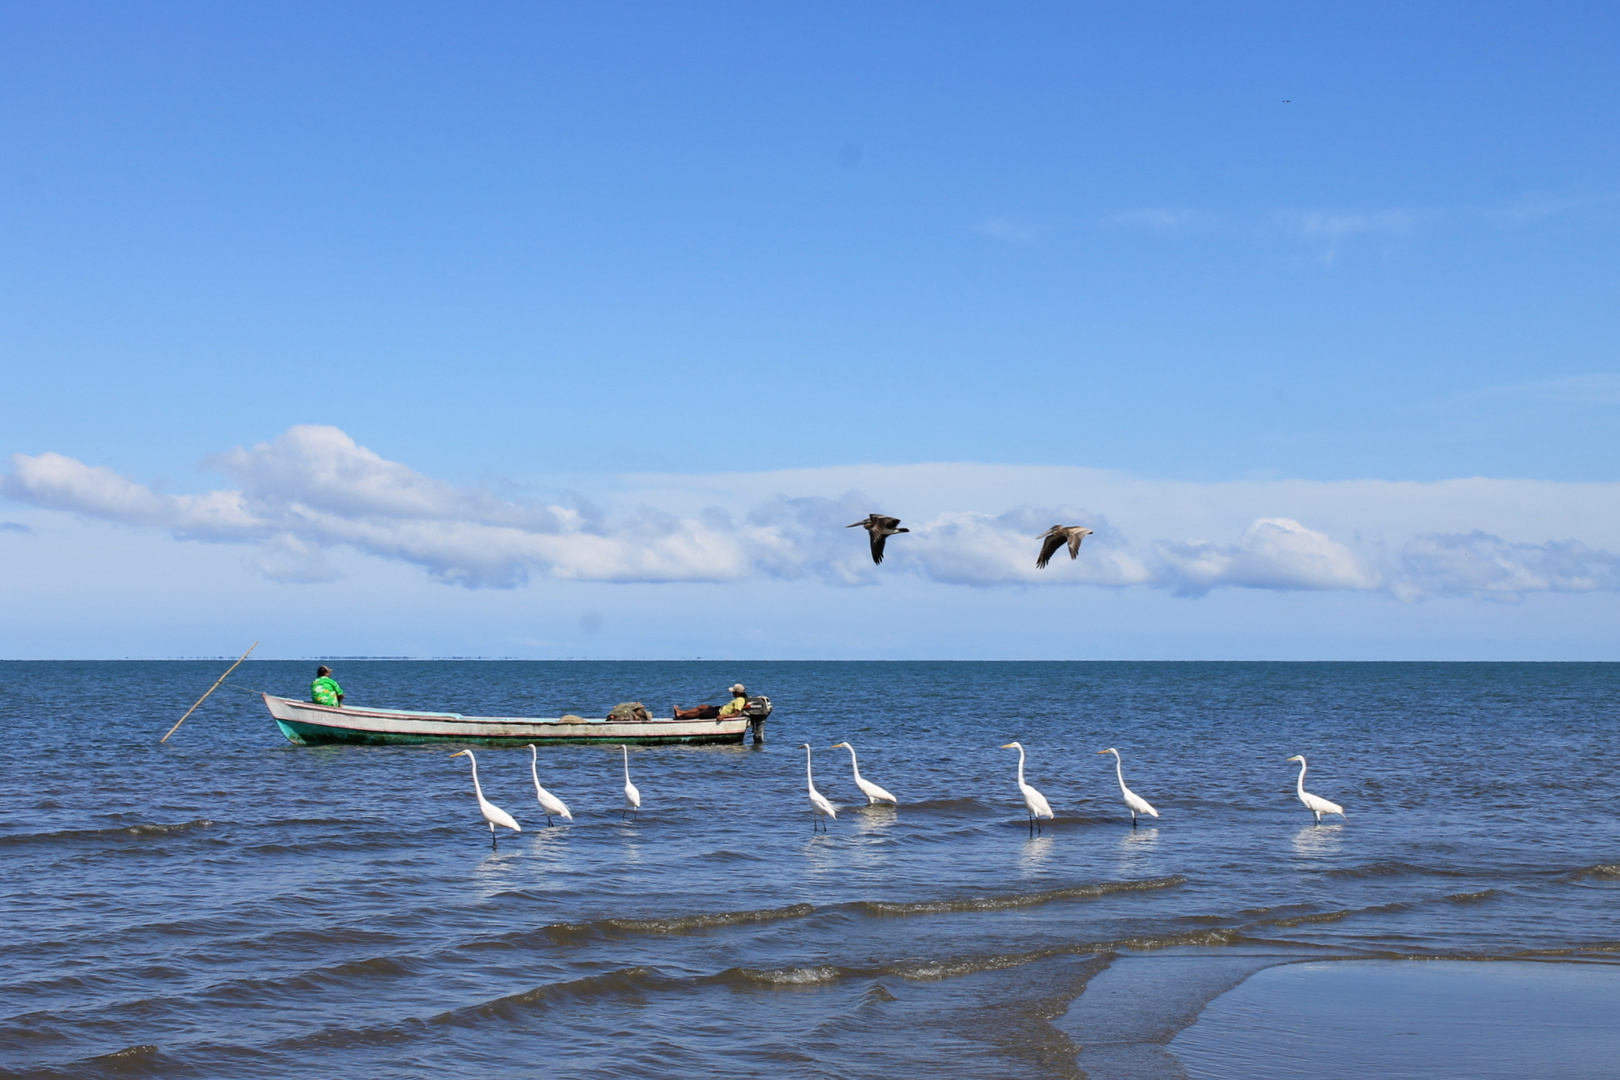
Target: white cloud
x,y
1598,389
312,490
1274,553
1533,208
1008,230
1483,566
1334,226
1159,219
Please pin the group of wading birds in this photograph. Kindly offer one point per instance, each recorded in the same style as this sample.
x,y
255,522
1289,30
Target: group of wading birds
x,y
879,527
821,808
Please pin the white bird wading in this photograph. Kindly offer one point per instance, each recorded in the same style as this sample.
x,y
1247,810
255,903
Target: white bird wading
x,y
632,794
1034,802
548,802
492,813
1315,803
819,806
873,793
1135,802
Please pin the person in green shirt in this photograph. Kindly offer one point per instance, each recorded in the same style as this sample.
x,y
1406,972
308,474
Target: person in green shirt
x,y
325,690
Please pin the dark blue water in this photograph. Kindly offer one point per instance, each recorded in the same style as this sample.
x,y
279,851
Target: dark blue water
x,y
231,905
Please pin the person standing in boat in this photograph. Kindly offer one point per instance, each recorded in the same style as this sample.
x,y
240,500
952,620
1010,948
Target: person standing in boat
x,y
325,690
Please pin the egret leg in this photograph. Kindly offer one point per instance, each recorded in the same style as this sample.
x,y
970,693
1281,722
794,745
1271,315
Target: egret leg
x,y
492,837
1133,819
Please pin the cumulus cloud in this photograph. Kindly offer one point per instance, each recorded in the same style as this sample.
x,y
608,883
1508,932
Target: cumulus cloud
x,y
1483,566
1274,553
312,490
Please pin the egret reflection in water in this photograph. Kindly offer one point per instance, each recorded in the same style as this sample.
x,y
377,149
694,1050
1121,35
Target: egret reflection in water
x,y
1037,849
1314,841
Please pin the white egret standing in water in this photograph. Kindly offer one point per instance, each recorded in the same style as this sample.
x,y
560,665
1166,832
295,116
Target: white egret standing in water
x,y
819,806
1034,801
548,802
1315,803
492,813
1137,804
874,794
632,794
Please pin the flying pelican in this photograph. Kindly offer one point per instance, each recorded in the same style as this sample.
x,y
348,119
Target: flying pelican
x,y
492,813
1315,803
819,805
632,794
881,529
548,802
1056,537
874,794
1137,804
1034,801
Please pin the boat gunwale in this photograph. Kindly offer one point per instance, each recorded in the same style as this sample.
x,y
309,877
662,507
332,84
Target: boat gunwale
x,y
311,722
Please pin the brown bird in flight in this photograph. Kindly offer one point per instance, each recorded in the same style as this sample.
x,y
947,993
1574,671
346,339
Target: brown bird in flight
x,y
1056,537
881,528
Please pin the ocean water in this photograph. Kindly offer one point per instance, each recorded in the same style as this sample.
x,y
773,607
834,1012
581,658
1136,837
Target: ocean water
x,y
229,904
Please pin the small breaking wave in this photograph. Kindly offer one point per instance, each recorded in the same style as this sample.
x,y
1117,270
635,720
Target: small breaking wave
x,y
881,908
143,831
1598,872
817,975
580,933
1393,868
1473,897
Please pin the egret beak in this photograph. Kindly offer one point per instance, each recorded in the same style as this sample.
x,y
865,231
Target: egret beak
x,y
1102,751
458,753
1009,746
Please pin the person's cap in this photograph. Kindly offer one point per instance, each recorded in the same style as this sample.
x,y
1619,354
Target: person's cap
x,y
738,689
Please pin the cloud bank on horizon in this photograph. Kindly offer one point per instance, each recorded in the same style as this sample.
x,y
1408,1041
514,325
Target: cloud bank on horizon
x,y
313,488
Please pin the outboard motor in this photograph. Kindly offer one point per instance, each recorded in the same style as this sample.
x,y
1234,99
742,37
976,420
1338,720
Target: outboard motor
x,y
758,710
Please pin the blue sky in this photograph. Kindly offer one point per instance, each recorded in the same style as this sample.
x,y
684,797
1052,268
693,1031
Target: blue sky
x,y
681,271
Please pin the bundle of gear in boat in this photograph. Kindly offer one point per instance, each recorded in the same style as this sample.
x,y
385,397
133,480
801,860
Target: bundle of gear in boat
x,y
756,707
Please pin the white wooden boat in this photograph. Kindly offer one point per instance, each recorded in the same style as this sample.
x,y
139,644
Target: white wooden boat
x,y
307,724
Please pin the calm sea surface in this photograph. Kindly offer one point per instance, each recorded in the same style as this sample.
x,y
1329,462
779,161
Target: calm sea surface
x,y
231,905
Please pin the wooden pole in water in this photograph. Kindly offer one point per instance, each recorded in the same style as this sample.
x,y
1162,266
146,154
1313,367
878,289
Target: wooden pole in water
x,y
211,689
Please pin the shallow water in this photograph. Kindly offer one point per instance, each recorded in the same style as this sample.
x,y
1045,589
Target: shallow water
x,y
230,904
1419,1020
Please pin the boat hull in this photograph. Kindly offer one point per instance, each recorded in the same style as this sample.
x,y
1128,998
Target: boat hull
x,y
308,724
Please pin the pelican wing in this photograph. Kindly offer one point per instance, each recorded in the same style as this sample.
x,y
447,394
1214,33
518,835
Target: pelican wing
x,y
877,546
1054,540
1075,536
